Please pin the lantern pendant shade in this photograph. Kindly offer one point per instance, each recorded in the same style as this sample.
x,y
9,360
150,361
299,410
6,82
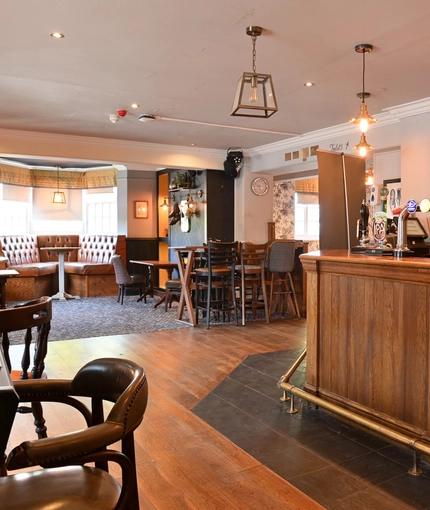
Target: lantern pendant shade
x,y
255,96
58,197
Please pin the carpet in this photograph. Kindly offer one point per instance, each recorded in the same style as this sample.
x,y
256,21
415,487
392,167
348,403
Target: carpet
x,y
103,316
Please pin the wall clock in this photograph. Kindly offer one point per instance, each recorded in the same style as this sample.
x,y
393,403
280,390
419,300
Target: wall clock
x,y
260,186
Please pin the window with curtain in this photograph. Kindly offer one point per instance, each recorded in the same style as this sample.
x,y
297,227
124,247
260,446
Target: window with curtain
x,y
307,216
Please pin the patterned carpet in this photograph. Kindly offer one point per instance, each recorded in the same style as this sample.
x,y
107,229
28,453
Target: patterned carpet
x,y
93,317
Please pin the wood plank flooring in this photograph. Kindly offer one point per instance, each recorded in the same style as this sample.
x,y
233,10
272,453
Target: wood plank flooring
x,y
182,462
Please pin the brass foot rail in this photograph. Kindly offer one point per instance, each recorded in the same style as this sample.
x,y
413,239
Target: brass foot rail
x,y
416,444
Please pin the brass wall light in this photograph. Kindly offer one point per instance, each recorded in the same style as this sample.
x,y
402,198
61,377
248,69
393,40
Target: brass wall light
x,y
255,95
58,197
165,204
191,206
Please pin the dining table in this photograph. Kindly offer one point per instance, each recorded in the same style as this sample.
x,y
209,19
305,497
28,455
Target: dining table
x,y
61,295
168,265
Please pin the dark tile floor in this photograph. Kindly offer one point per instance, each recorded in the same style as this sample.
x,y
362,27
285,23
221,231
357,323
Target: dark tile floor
x,y
336,464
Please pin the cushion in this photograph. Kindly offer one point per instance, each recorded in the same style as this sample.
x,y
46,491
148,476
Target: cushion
x,y
86,268
34,270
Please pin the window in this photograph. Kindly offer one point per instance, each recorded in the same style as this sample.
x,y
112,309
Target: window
x,y
100,211
15,204
307,216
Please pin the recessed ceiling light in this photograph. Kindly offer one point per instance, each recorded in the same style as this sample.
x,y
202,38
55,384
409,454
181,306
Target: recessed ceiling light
x,y
57,35
309,84
135,105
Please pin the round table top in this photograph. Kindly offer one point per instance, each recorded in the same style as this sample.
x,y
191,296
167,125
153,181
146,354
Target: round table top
x,y
60,248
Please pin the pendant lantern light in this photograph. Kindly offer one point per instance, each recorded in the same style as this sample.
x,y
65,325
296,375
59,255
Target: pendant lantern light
x,y
363,119
255,95
58,197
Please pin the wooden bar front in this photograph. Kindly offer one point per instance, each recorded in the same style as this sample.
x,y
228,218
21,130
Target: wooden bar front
x,y
368,335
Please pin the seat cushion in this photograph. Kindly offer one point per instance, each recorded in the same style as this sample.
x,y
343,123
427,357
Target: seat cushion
x,y
36,269
86,268
64,488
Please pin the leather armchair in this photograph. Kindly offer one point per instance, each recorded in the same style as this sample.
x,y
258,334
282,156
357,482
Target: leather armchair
x,y
66,481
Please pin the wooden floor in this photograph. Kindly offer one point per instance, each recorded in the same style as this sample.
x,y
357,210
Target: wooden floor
x,y
182,462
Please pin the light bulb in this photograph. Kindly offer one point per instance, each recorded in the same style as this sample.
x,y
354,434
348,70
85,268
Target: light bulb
x,y
364,125
363,151
253,95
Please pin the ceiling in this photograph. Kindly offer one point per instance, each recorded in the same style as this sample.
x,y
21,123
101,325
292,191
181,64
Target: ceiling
x,y
181,60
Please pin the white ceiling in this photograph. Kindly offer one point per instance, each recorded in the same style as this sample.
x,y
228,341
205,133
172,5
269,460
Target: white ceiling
x,y
181,59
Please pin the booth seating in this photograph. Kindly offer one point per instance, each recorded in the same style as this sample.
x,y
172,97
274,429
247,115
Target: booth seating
x,y
88,270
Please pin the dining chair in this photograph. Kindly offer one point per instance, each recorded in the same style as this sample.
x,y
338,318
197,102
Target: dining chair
x,y
215,283
279,267
66,480
32,320
251,269
171,288
126,280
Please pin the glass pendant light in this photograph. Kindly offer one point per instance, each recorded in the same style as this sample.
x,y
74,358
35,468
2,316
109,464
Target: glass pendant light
x,y
255,95
363,119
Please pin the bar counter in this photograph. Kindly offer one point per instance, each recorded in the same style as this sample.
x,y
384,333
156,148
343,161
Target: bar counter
x,y
368,336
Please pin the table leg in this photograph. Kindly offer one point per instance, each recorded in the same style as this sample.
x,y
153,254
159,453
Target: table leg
x,y
163,297
62,294
149,291
184,275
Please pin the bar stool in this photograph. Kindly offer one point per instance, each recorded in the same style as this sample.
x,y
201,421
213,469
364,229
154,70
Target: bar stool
x,y
215,284
280,265
253,292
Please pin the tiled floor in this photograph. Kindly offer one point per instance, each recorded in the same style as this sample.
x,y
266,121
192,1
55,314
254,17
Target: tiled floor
x,y
338,465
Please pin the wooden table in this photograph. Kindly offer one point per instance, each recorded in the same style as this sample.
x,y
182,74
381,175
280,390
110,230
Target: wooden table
x,y
157,264
4,275
186,253
61,251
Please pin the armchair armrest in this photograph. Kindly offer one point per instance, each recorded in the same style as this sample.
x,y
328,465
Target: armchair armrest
x,y
66,448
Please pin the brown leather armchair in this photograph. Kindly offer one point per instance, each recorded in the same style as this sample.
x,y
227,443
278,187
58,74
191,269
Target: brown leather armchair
x,y
66,481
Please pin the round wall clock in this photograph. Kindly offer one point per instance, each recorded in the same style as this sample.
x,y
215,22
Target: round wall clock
x,y
260,186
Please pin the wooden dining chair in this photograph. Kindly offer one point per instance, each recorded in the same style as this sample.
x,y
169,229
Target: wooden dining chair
x,y
67,481
32,320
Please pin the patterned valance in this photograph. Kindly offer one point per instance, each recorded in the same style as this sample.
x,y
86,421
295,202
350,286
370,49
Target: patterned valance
x,y
307,185
77,179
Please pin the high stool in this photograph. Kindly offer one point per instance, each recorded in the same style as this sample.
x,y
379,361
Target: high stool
x,y
215,284
280,265
253,292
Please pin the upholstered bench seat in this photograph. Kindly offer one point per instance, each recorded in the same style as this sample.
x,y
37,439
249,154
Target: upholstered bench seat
x,y
88,270
36,268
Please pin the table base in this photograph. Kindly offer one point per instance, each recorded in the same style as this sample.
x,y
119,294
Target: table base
x,y
64,296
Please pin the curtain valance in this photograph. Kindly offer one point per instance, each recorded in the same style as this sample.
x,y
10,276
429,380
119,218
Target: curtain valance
x,y
76,179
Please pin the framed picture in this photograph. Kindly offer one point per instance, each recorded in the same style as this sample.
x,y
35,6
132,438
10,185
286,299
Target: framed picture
x,y
141,210
394,198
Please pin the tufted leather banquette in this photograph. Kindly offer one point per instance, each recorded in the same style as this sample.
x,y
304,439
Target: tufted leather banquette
x,y
88,270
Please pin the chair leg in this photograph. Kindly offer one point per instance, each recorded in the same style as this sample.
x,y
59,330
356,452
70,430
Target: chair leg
x,y
122,293
39,420
293,292
119,293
